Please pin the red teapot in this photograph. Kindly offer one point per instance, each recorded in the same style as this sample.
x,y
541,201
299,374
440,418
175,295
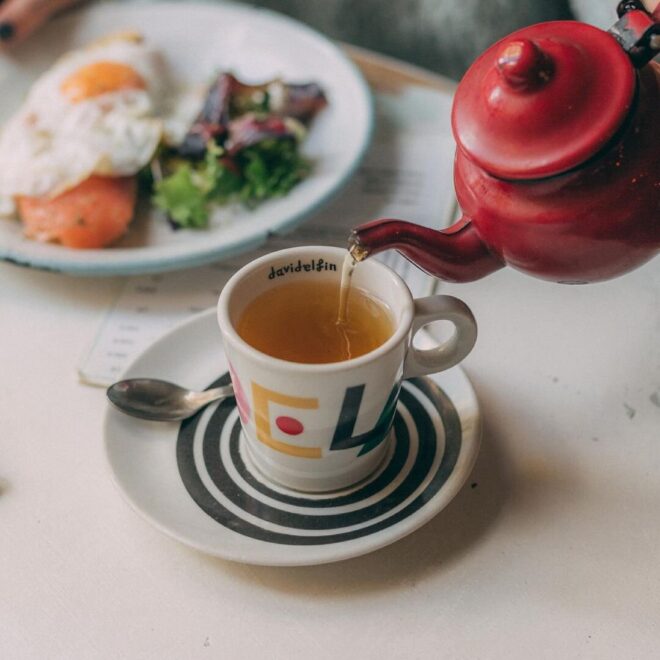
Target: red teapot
x,y
557,166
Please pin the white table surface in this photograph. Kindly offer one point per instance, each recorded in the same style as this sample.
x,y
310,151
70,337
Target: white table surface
x,y
551,550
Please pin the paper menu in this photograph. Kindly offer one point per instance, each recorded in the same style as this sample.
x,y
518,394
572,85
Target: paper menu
x,y
407,173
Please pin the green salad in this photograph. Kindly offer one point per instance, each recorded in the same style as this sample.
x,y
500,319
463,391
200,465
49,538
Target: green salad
x,y
244,147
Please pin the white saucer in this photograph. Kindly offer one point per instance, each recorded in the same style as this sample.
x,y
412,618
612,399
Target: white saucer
x,y
195,481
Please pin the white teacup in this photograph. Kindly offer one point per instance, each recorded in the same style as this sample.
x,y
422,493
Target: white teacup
x,y
321,427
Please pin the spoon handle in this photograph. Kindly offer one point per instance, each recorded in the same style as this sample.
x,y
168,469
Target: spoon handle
x,y
208,396
159,400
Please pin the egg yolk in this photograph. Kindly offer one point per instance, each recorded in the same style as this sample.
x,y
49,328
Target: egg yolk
x,y
100,78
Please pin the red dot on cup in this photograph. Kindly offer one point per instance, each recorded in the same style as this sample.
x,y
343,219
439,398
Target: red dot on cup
x,y
289,425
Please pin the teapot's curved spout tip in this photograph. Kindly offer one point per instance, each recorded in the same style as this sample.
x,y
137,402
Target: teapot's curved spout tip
x,y
356,249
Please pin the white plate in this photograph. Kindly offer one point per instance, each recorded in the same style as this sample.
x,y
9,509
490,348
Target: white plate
x,y
195,482
198,40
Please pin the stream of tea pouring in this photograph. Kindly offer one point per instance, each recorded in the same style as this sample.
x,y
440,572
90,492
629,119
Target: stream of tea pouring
x,y
354,255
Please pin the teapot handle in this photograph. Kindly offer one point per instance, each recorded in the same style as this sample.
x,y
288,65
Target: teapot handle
x,y
637,31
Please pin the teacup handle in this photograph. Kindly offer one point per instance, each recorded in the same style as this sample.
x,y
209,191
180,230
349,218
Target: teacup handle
x,y
420,362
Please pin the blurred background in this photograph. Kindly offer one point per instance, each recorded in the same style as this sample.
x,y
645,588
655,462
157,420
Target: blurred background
x,y
442,35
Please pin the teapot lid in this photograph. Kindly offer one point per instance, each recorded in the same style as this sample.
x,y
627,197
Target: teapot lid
x,y
543,100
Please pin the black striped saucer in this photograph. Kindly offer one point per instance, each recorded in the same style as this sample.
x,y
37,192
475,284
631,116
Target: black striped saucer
x,y
195,480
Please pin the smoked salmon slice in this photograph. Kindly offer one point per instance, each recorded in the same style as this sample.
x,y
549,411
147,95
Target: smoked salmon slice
x,y
93,214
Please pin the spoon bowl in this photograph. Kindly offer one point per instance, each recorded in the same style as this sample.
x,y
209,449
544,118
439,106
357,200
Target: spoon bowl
x,y
161,401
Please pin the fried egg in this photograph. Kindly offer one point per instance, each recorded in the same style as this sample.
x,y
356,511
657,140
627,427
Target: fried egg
x,y
95,112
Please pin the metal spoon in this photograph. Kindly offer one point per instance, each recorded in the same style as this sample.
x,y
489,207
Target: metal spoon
x,y
160,401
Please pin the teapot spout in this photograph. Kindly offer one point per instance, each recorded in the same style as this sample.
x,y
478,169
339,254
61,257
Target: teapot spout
x,y
455,254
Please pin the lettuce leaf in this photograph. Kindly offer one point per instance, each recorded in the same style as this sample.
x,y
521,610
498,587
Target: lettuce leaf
x,y
180,196
270,168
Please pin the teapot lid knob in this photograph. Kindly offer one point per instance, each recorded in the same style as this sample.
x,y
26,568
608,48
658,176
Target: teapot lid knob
x,y
523,65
